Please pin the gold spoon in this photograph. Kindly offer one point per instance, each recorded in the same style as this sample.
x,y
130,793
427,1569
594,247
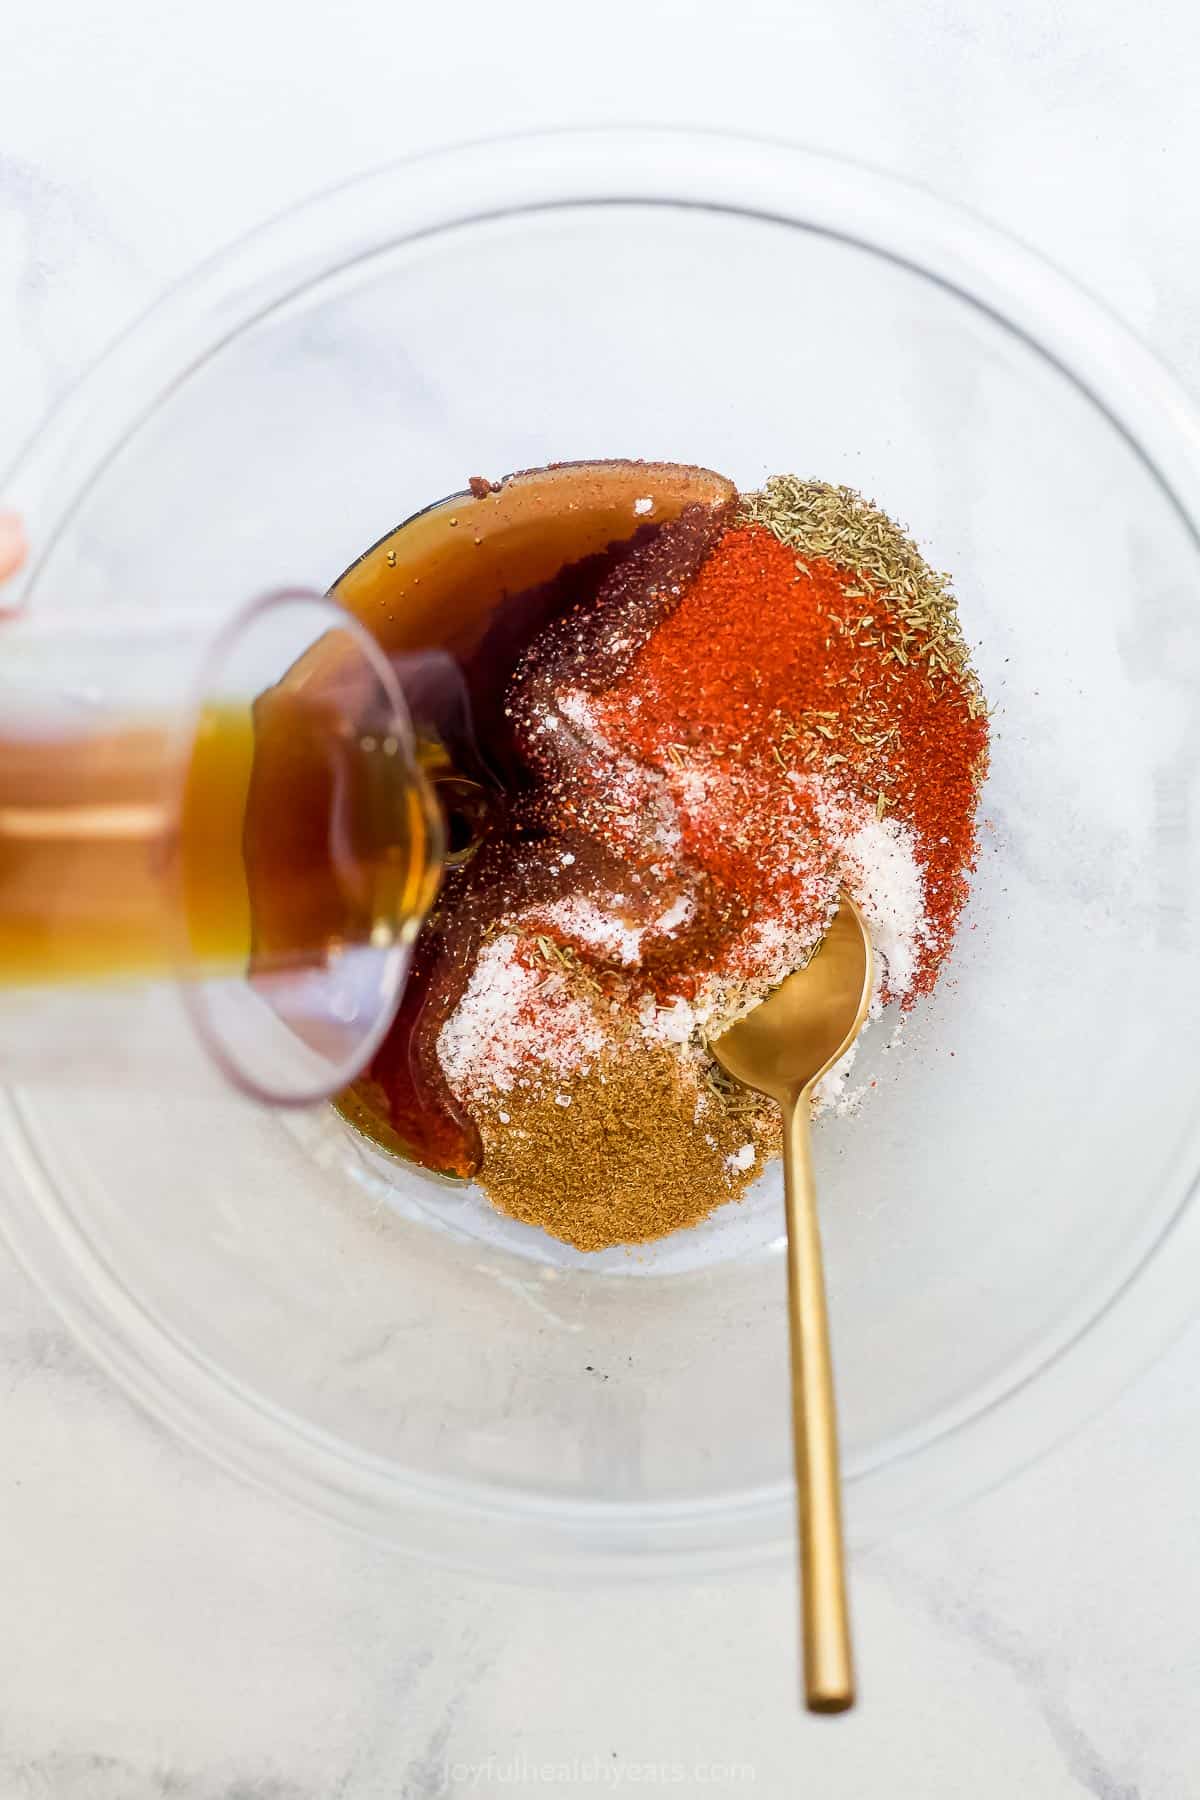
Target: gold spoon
x,y
782,1049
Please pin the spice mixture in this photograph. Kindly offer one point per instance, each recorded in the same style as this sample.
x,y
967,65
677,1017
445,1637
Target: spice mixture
x,y
755,705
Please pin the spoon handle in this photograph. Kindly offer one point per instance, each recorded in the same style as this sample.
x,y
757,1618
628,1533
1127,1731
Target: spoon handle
x,y
828,1660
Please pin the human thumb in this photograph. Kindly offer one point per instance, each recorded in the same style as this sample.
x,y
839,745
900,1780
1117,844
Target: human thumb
x,y
13,547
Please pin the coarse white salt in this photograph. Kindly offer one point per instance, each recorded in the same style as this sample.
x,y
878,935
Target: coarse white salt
x,y
595,927
831,1094
879,866
672,1024
504,1118
680,911
741,1159
562,1099
644,505
691,785
514,1017
574,705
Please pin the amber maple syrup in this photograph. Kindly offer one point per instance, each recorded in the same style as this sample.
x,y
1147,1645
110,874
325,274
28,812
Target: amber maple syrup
x,y
86,829
283,838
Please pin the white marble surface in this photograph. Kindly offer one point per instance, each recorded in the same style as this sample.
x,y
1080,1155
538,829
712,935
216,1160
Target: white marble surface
x,y
167,1633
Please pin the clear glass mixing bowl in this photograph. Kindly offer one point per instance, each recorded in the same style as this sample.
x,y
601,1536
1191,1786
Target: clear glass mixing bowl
x,y
1007,1222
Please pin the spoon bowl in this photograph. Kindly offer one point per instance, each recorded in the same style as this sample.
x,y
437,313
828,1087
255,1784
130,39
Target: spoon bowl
x,y
808,1023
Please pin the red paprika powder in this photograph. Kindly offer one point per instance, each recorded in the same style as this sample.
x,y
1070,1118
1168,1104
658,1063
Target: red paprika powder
x,y
772,665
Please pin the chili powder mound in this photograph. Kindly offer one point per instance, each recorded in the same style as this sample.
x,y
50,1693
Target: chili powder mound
x,y
772,665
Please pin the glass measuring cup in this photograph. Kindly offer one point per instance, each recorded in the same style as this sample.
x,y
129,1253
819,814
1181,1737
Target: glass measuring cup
x,y
215,851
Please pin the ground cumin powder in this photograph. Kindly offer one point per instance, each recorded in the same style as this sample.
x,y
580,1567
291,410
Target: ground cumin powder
x,y
624,1154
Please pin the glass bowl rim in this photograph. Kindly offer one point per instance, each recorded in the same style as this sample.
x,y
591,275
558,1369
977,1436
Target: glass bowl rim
x,y
484,1526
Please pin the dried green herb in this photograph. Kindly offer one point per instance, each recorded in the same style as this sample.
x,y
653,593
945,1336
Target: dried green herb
x,y
818,519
